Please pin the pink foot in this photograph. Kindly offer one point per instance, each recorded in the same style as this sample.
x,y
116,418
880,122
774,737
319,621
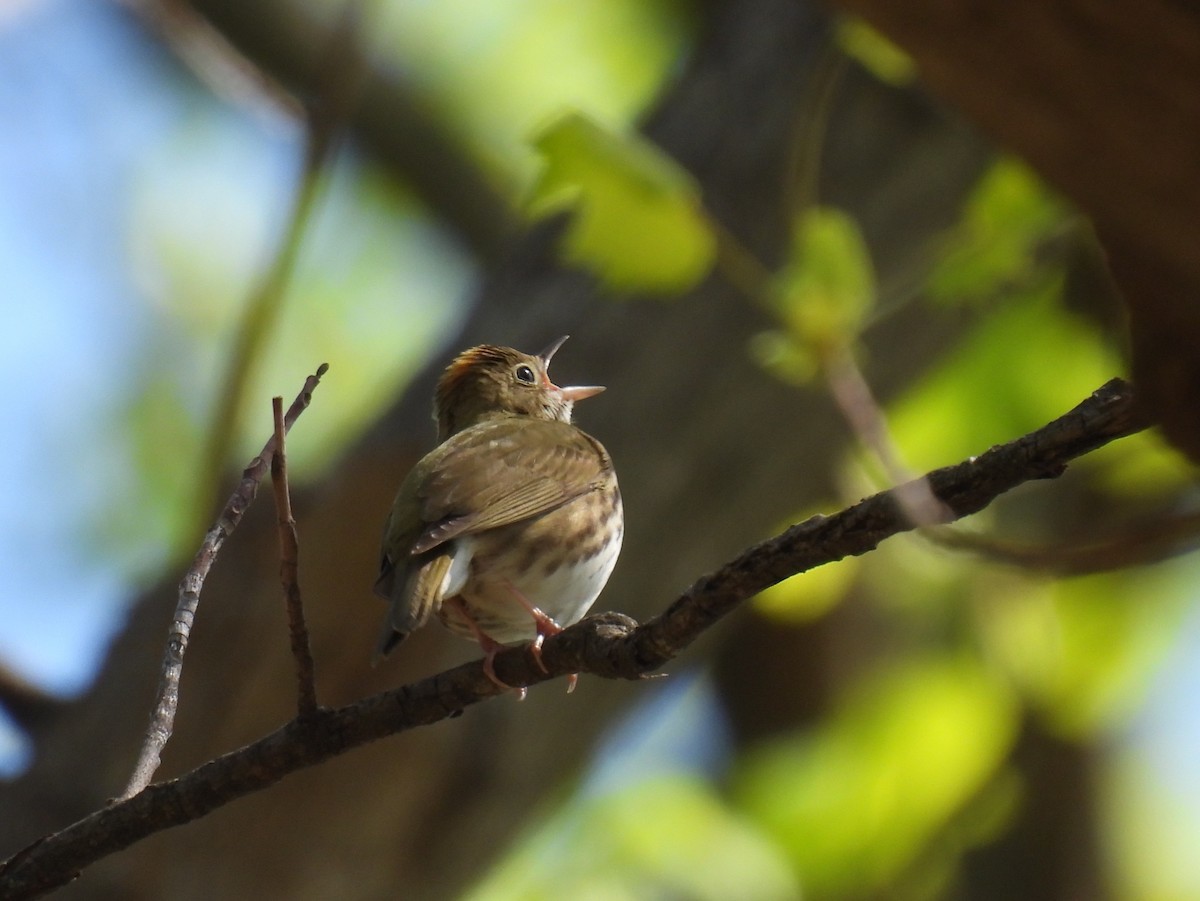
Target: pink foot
x,y
490,647
546,627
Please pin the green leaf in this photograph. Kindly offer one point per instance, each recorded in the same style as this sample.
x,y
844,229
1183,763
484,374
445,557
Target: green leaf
x,y
785,358
1087,649
877,54
827,287
638,221
809,595
856,802
1020,367
669,836
1009,216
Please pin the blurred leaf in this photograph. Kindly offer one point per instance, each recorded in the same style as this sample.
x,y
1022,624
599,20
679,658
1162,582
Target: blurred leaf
x,y
484,66
1018,627
1083,649
860,798
1112,629
809,595
827,287
876,53
779,354
659,838
153,474
1021,367
1008,217
637,221
1152,791
374,286
1143,466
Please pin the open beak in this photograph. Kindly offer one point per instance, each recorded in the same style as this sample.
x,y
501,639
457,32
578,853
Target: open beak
x,y
571,394
549,352
579,392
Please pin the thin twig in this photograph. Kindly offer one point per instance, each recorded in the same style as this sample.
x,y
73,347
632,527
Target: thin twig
x,y
340,78
845,380
1150,541
213,59
162,718
962,489
289,564
858,406
811,129
609,645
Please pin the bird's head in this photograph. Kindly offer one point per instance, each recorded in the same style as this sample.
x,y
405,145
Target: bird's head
x,y
488,381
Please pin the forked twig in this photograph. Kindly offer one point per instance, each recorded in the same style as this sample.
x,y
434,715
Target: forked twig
x,y
162,719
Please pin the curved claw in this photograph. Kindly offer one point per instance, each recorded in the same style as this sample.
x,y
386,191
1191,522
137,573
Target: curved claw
x,y
535,651
545,627
489,670
491,648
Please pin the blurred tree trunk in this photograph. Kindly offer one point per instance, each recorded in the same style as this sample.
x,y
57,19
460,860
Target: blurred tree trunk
x,y
1101,99
711,454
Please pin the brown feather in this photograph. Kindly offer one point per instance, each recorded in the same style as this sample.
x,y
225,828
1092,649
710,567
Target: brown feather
x,y
420,597
505,470
508,457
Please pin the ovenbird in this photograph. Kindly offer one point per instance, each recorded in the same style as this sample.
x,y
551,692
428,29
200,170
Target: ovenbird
x,y
508,530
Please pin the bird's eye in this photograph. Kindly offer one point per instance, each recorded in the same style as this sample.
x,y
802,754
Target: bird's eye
x,y
525,374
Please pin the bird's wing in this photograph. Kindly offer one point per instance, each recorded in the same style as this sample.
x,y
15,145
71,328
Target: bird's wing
x,y
412,584
501,472
419,596
490,475
403,527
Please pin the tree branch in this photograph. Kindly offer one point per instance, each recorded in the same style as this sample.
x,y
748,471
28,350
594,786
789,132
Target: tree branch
x,y
162,719
392,119
289,566
610,645
26,703
964,488
1151,539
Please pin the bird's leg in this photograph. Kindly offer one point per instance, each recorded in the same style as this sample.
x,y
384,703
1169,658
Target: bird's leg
x,y
490,647
546,627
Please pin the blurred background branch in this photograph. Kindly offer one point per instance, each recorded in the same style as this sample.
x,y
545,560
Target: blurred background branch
x,y
288,43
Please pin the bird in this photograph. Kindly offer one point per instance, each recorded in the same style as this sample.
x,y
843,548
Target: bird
x,y
508,530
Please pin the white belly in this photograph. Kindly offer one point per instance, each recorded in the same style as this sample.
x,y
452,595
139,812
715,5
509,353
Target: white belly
x,y
492,594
